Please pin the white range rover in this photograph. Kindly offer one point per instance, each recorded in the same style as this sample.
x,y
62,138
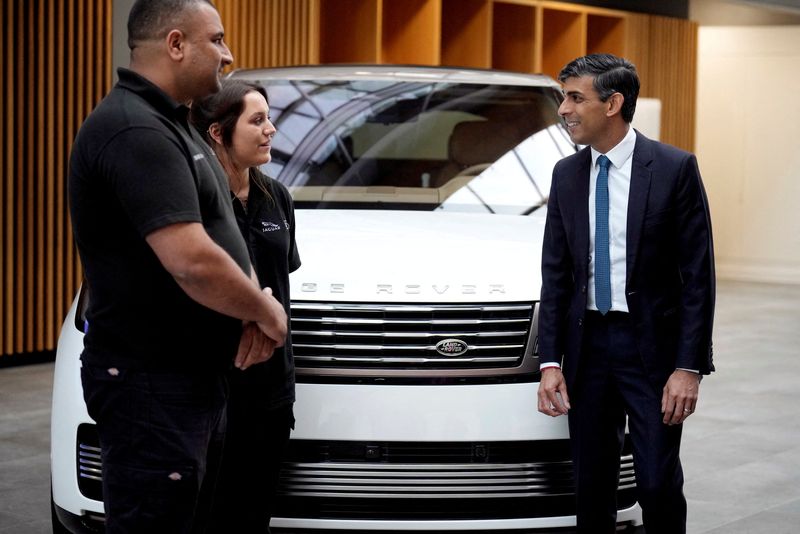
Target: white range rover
x,y
419,196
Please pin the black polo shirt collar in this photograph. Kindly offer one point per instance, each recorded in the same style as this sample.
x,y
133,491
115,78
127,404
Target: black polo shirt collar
x,y
153,95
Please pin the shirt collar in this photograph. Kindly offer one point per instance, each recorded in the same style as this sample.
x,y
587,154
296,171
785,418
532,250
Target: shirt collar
x,y
152,94
621,152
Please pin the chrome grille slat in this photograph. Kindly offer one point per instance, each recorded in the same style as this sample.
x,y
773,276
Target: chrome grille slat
x,y
435,467
420,495
401,339
421,489
435,480
403,307
489,476
339,321
430,348
330,333
363,359
461,483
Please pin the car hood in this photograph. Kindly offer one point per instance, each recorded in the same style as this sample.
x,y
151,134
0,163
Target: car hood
x,y
407,256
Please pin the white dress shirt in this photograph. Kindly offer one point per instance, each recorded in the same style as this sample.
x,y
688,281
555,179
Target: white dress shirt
x,y
619,185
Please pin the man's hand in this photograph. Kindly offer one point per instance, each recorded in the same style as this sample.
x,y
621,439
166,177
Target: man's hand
x,y
553,398
254,347
680,396
274,326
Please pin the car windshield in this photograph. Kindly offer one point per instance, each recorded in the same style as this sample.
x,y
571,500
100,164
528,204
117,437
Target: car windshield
x,y
407,145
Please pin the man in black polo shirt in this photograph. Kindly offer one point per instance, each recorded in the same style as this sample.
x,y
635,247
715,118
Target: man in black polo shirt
x,y
173,299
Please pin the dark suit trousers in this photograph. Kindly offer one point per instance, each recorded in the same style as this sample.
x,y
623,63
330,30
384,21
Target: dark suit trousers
x,y
611,384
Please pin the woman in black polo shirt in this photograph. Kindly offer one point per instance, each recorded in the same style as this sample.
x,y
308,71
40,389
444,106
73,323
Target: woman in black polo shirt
x,y
235,123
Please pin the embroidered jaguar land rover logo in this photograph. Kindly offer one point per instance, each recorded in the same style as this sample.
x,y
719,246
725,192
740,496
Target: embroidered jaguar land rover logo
x,y
451,347
267,226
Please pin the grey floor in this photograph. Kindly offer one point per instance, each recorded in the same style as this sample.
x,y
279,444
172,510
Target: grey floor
x,y
741,449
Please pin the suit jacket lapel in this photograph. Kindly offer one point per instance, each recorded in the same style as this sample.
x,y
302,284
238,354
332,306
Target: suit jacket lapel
x,y
580,206
637,199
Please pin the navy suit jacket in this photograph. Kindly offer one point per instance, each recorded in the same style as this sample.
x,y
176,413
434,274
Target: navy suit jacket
x,y
670,286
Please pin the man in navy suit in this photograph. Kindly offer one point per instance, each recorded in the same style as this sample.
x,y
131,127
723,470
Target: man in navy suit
x,y
627,300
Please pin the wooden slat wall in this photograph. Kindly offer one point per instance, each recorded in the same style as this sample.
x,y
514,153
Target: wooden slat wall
x,y
57,66
672,77
664,51
271,33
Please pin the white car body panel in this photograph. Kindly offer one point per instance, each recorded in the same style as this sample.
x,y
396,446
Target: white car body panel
x,y
417,256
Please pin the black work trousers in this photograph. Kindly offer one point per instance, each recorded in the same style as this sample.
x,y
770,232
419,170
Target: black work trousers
x,y
611,384
250,462
155,432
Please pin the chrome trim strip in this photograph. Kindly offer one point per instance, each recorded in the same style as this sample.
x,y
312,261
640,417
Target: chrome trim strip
x,y
420,495
359,359
405,467
357,321
340,346
405,308
333,482
89,470
351,333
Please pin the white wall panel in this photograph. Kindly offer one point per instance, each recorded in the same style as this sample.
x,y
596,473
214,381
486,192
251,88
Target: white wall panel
x,y
748,146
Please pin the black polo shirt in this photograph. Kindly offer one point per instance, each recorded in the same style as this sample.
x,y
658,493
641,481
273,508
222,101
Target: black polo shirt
x,y
268,227
137,166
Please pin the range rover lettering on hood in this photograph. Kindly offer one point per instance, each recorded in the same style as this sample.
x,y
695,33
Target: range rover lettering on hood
x,y
412,289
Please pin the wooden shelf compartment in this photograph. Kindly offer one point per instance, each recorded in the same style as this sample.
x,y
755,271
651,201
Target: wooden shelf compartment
x,y
563,38
606,34
466,33
350,31
411,32
514,36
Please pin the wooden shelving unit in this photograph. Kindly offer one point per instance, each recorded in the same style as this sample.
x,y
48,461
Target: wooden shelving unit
x,y
516,35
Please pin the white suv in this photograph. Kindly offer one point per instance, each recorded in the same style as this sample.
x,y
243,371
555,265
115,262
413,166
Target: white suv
x,y
419,197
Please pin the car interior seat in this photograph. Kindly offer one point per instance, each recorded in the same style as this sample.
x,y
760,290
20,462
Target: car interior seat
x,y
473,146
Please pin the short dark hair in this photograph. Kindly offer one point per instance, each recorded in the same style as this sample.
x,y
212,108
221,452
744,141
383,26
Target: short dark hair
x,y
223,107
611,75
153,19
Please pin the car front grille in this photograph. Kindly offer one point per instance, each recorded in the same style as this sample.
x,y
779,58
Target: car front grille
x,y
402,339
90,467
442,481
408,481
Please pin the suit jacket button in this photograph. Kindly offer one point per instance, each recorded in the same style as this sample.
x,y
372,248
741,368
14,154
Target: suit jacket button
x,y
580,322
583,289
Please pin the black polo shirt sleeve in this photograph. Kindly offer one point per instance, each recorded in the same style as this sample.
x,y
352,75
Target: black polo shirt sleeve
x,y
149,174
294,255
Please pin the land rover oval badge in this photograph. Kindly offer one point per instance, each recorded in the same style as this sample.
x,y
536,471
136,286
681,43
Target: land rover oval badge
x,y
451,347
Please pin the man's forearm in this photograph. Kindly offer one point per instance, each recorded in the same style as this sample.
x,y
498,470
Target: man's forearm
x,y
211,277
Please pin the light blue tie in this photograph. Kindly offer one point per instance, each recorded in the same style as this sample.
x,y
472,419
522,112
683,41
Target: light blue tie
x,y
602,261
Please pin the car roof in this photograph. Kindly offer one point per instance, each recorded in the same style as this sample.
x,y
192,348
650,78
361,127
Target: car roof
x,y
397,73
